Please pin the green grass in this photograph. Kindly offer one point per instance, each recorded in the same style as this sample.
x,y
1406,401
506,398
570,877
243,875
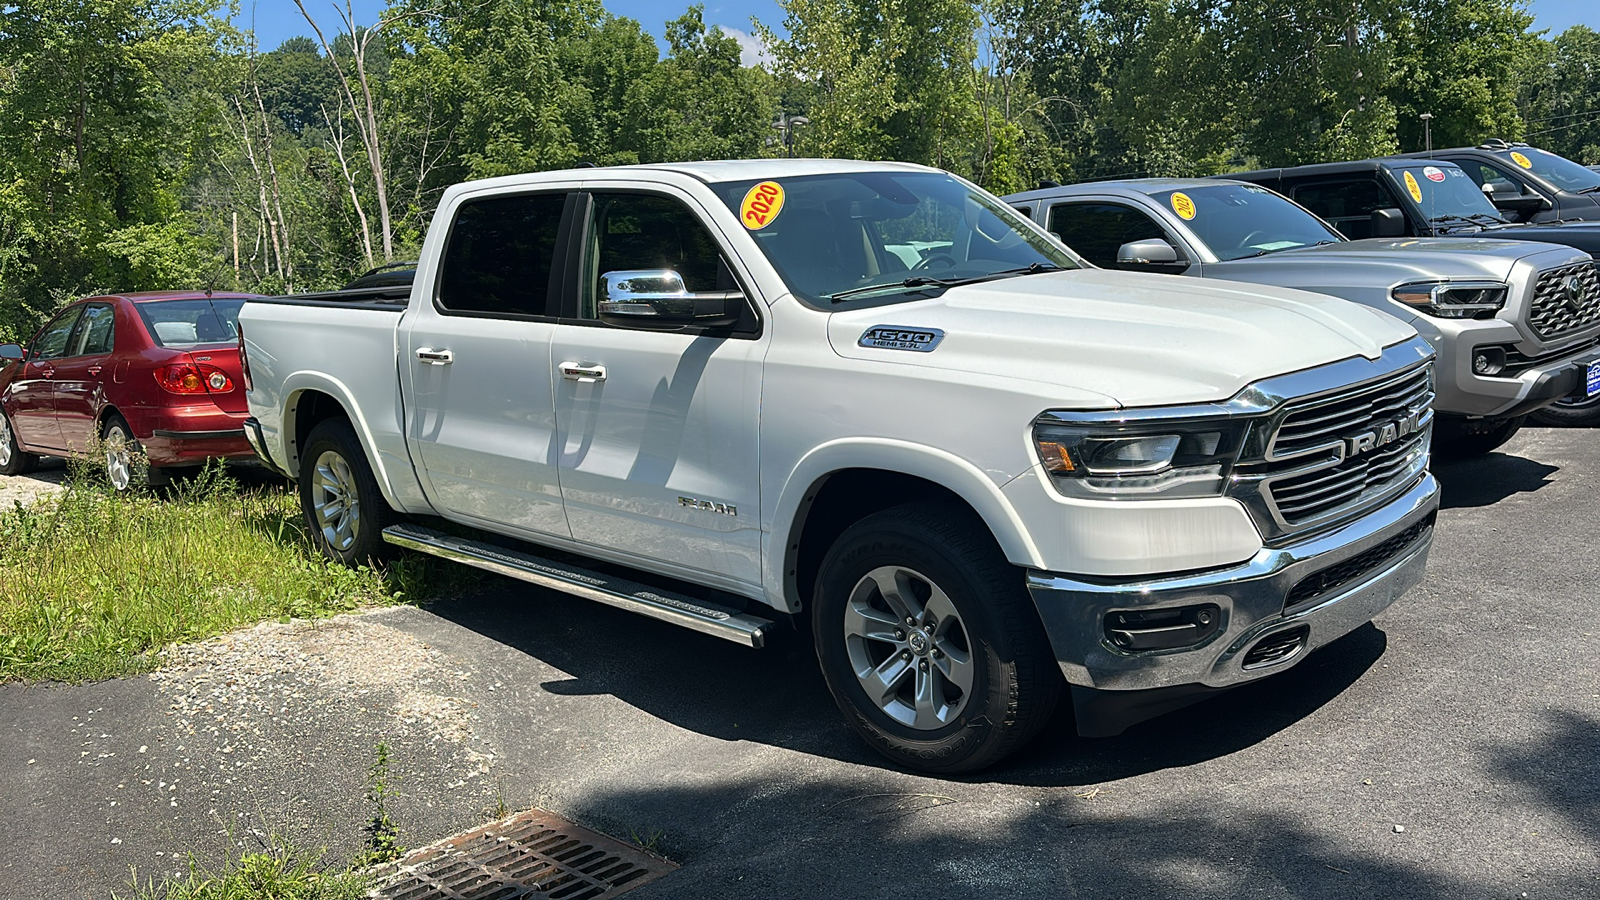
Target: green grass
x,y
279,872
93,585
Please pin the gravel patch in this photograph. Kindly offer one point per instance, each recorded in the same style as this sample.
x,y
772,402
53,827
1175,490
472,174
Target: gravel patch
x,y
30,489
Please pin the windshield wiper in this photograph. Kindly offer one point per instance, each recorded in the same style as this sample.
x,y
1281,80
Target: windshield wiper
x,y
918,281
1491,220
1449,218
1590,189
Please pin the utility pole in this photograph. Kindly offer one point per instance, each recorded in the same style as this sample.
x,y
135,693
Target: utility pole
x,y
1427,132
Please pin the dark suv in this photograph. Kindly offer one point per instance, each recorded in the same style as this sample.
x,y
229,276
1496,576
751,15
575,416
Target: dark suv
x,y
1525,183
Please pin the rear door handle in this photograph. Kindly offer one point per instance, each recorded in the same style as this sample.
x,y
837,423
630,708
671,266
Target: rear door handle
x,y
95,370
435,357
573,371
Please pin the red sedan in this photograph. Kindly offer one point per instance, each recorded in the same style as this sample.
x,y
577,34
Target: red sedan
x,y
152,380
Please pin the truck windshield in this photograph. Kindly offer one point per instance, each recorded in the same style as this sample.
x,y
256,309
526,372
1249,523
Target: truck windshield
x,y
902,232
1447,198
1239,220
1558,170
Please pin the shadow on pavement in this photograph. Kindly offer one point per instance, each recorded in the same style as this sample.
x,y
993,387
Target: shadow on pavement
x,y
776,696
1560,763
1488,479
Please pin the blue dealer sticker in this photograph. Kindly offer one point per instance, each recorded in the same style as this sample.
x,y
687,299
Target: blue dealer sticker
x,y
899,337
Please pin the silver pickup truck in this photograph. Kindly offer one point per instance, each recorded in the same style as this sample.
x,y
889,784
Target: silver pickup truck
x,y
872,401
1509,341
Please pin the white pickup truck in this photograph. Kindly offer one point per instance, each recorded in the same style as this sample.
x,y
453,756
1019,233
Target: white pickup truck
x,y
871,401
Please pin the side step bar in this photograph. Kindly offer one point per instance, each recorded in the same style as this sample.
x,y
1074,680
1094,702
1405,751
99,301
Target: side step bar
x,y
668,606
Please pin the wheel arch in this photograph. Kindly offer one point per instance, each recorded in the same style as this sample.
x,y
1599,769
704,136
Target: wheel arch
x,y
839,484
313,398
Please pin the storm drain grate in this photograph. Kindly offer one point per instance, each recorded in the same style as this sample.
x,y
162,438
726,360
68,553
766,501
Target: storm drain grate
x,y
530,855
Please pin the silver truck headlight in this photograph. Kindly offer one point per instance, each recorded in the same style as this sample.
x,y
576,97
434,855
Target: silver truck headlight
x,y
1454,300
1133,459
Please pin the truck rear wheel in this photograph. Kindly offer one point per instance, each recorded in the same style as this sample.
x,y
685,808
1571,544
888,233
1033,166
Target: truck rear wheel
x,y
345,512
929,642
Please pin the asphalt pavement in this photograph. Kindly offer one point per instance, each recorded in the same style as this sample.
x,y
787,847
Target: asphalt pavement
x,y
1450,749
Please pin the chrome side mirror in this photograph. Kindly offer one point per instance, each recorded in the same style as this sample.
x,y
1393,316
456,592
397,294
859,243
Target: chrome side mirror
x,y
1154,252
12,352
658,298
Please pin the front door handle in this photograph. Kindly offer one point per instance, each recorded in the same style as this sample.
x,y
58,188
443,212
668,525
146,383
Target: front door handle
x,y
435,357
583,374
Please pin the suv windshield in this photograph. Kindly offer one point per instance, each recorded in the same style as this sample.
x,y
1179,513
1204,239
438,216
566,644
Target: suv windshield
x,y
885,234
1239,220
188,323
1558,170
1446,196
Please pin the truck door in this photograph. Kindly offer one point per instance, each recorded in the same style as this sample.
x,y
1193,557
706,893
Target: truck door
x,y
476,365
657,428
1347,205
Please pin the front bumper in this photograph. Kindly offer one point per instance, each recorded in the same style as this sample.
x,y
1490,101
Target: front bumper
x,y
1462,392
1379,557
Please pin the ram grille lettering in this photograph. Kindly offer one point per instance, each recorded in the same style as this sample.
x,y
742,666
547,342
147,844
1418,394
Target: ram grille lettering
x,y
1384,434
897,337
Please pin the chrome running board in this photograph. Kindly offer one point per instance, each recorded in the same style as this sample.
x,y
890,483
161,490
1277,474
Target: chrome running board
x,y
668,606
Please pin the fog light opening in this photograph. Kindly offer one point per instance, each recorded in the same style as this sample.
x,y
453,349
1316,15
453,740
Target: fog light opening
x,y
1488,361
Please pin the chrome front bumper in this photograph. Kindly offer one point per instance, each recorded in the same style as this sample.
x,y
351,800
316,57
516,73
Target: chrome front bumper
x,y
1251,597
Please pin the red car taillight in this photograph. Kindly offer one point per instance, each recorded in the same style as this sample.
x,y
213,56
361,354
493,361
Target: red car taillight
x,y
185,378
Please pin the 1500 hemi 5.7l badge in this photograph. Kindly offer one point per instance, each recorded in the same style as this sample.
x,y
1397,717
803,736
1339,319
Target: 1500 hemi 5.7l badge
x,y
896,337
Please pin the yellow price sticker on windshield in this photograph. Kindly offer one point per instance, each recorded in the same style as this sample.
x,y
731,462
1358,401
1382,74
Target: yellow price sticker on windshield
x,y
761,205
1183,206
1414,189
1521,160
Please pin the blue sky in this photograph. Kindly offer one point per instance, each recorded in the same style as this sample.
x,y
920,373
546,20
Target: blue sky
x,y
278,20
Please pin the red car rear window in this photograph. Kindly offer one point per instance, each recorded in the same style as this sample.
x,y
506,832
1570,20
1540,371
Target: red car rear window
x,y
190,323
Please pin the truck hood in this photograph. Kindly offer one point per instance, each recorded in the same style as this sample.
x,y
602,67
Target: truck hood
x,y
1391,261
1142,339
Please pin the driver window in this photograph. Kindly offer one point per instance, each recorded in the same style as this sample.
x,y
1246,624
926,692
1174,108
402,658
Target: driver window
x,y
649,231
52,341
1097,230
1482,173
1346,205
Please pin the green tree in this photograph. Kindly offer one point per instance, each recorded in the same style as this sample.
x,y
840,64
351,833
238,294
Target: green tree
x,y
1559,95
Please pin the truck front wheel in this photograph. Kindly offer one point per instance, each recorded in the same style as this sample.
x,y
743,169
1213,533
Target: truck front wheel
x,y
345,512
1569,413
929,641
1456,438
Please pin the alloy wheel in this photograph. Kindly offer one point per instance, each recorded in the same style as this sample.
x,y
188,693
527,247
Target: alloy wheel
x,y
335,505
5,440
908,648
119,458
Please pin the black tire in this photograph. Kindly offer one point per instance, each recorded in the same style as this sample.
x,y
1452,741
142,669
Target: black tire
x,y
1569,414
1463,439
13,461
942,557
345,513
126,467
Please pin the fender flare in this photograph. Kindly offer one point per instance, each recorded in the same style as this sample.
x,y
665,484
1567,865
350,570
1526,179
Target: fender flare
x,y
978,489
297,384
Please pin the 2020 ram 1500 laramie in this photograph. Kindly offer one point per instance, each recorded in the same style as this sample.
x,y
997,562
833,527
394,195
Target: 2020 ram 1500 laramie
x,y
872,400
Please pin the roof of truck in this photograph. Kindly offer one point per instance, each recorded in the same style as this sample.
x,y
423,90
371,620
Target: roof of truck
x,y
1122,185
1336,168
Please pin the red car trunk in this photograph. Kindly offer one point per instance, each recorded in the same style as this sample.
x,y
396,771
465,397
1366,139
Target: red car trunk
x,y
224,358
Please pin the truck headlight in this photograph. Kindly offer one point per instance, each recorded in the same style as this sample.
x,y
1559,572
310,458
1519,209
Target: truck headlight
x,y
1131,459
1454,300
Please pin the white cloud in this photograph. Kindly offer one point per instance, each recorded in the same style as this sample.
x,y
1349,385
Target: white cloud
x,y
751,51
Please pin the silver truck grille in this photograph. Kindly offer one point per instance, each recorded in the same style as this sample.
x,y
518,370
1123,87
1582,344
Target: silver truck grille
x,y
1335,456
1565,299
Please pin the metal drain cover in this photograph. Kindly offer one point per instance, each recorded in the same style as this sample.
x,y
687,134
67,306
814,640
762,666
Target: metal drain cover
x,y
530,855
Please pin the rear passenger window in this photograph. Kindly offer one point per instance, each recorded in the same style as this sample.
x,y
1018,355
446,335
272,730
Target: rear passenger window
x,y
498,259
95,331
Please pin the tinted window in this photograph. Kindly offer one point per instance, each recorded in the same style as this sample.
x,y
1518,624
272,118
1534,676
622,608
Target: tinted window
x,y
647,231
52,341
188,323
1096,230
1347,205
1558,170
95,332
1483,173
499,256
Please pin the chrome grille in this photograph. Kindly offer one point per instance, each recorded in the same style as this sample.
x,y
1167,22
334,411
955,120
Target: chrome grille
x,y
1555,312
1334,456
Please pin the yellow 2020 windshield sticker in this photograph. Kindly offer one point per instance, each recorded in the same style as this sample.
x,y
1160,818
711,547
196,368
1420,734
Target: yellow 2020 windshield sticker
x,y
1182,205
761,205
1521,160
1414,189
